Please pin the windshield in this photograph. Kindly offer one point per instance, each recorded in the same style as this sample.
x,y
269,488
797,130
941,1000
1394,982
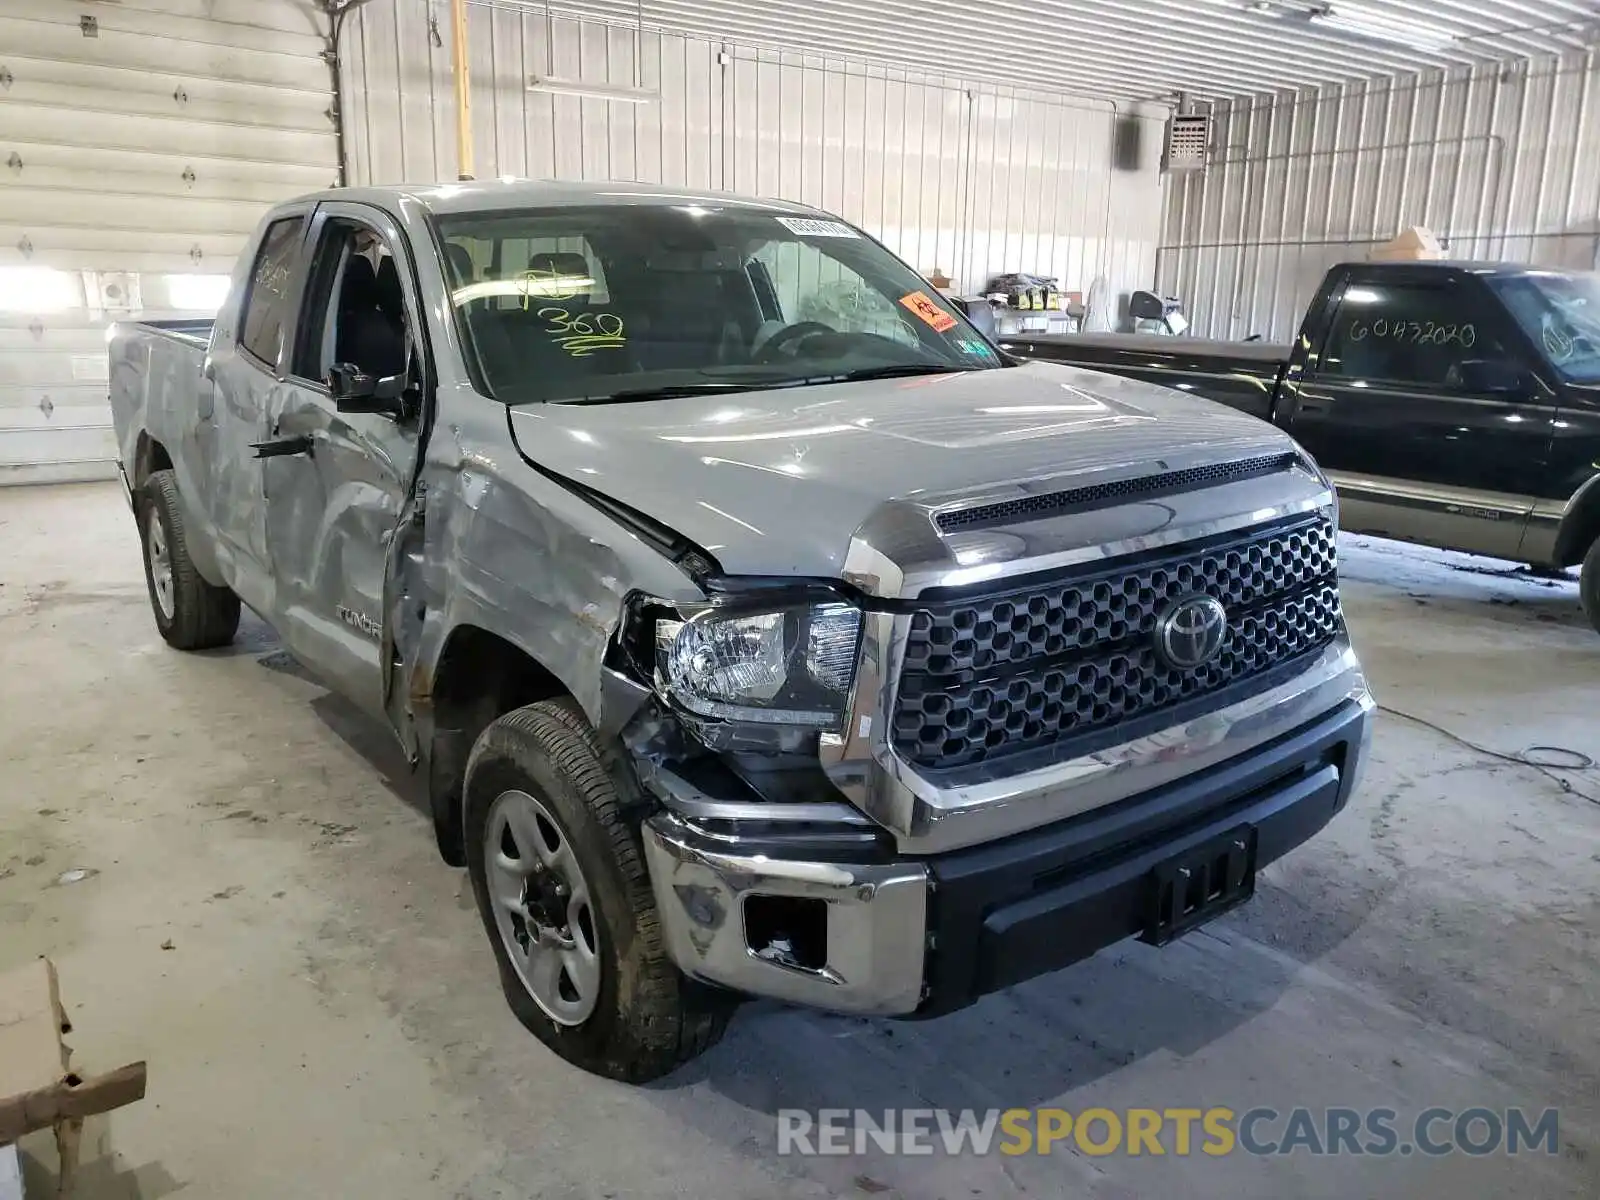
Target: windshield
x,y
1561,313
621,303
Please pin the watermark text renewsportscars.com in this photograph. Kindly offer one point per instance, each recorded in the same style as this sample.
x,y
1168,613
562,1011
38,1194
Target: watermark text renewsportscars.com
x,y
1176,1131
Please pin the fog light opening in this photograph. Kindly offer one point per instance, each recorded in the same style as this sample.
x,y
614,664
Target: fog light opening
x,y
789,930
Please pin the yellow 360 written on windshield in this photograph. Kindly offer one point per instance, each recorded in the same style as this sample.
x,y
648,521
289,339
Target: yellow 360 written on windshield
x,y
581,334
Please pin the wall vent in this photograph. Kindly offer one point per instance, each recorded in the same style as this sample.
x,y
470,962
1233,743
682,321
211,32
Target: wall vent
x,y
1188,139
112,291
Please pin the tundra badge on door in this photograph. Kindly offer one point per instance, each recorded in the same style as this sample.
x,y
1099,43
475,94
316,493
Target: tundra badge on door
x,y
361,621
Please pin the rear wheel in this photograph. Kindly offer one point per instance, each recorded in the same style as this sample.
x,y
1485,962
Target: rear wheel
x,y
1589,585
558,871
190,613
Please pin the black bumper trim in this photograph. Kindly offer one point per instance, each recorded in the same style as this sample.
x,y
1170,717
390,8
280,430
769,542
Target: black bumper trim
x,y
1005,912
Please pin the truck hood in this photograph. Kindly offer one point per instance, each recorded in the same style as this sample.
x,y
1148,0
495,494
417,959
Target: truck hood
x,y
775,482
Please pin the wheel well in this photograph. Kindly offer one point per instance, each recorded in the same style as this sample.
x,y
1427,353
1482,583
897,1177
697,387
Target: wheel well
x,y
1580,529
149,457
480,676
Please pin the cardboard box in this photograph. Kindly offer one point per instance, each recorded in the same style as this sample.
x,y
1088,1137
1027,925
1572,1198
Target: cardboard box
x,y
1414,244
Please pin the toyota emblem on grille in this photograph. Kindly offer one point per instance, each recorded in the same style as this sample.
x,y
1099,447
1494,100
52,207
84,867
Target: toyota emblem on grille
x,y
1191,632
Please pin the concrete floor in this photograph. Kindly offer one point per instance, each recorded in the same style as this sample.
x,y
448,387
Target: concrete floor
x,y
327,1023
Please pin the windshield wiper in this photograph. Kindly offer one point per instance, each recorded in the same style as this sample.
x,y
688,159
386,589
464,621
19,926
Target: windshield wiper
x,y
674,390
891,371
715,387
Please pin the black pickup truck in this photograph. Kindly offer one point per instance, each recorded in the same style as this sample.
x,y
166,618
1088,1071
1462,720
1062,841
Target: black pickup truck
x,y
1453,404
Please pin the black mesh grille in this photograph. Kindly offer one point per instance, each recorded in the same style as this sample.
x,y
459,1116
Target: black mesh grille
x,y
1096,495
1007,674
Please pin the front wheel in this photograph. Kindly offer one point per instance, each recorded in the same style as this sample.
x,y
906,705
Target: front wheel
x,y
1589,585
190,613
558,872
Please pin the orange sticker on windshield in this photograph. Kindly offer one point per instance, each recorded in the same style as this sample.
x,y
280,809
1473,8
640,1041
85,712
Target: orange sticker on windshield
x,y
922,304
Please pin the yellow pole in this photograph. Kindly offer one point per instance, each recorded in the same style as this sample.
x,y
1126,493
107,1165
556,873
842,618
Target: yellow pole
x,y
458,16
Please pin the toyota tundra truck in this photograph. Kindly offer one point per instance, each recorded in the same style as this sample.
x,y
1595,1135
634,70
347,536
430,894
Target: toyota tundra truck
x,y
760,628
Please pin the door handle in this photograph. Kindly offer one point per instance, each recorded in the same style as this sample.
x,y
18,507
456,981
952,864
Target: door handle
x,y
288,445
1313,407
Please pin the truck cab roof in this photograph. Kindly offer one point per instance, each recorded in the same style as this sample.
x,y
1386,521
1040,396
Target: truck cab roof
x,y
1463,265
490,195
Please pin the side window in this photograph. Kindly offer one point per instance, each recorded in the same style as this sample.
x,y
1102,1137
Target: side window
x,y
268,298
811,286
1406,333
355,310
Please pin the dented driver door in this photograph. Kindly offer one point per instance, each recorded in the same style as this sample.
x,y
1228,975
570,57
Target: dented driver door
x,y
337,483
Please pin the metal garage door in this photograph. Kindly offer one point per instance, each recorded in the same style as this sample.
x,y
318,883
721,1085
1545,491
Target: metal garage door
x,y
139,142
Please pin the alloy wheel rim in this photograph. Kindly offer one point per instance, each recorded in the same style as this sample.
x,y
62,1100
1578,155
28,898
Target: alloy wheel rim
x,y
542,907
160,564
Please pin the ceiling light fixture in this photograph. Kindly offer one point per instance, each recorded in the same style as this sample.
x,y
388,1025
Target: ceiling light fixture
x,y
1381,27
593,91
1259,8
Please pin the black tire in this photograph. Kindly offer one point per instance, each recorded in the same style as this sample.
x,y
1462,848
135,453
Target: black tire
x,y
649,1018
202,616
1589,585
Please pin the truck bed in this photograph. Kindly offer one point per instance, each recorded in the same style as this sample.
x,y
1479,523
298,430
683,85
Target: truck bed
x,y
158,384
1242,375
194,331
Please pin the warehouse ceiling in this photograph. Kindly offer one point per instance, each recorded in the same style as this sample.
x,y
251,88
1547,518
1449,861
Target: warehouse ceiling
x,y
1128,49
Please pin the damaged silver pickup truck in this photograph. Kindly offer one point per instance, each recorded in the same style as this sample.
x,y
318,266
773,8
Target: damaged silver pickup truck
x,y
759,627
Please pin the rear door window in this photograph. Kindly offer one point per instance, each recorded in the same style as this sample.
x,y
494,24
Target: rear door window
x,y
269,295
505,274
1408,334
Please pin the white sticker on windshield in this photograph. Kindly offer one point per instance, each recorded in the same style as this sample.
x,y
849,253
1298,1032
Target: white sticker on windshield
x,y
810,227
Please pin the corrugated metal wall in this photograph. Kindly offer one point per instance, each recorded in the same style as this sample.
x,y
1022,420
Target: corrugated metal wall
x,y
139,143
1503,164
949,174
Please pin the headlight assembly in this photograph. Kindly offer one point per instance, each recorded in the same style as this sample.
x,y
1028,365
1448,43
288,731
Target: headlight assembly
x,y
1330,510
792,666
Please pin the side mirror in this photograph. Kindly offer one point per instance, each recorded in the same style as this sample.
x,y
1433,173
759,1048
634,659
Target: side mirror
x,y
355,391
1492,376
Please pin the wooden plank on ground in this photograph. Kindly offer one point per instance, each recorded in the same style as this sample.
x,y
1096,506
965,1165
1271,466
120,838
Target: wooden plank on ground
x,y
38,1088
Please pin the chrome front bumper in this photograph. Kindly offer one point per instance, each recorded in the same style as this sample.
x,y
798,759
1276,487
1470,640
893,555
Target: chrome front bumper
x,y
1006,910
876,921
